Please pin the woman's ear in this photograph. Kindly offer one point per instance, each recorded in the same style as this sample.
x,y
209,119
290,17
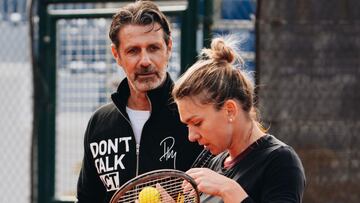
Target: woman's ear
x,y
231,109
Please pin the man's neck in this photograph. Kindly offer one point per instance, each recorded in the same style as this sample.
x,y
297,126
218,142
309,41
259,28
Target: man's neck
x,y
139,101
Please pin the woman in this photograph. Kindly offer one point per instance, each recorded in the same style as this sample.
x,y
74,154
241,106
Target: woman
x,y
215,100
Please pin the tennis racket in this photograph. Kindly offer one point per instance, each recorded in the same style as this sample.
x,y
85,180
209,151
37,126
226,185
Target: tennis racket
x,y
159,186
203,160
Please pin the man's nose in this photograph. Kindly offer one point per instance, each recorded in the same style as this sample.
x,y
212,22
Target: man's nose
x,y
145,59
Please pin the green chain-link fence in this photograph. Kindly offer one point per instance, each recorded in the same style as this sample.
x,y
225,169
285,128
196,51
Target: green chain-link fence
x,y
16,103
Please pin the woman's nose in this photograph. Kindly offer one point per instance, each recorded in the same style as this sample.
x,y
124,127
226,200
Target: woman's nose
x,y
193,136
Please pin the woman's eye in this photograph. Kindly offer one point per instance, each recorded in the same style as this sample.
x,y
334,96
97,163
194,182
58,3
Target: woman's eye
x,y
193,124
197,124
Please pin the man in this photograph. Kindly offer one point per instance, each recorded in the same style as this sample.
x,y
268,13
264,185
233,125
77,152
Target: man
x,y
140,130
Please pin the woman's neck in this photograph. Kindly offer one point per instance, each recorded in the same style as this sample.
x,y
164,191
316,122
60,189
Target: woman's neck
x,y
243,140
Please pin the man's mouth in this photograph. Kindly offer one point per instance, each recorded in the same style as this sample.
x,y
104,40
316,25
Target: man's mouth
x,y
145,75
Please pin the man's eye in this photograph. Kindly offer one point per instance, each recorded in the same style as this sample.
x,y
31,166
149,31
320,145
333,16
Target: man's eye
x,y
131,51
154,48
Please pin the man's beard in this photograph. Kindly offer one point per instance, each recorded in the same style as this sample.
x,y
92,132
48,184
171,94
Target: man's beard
x,y
148,78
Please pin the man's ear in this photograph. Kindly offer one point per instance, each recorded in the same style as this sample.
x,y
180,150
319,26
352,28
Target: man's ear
x,y
169,47
231,108
115,53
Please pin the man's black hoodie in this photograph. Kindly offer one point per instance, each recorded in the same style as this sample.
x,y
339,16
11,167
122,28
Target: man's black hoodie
x,y
111,155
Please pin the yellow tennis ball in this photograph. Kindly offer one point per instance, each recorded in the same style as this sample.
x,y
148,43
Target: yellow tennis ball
x,y
180,198
149,195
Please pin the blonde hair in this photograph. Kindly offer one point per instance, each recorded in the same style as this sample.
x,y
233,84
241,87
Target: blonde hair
x,y
217,76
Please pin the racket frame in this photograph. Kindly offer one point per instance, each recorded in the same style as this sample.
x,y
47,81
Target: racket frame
x,y
150,176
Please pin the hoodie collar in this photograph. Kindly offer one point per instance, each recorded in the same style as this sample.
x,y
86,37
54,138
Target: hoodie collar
x,y
159,96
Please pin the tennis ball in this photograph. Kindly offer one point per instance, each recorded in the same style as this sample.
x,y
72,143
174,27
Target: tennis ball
x,y
149,195
180,198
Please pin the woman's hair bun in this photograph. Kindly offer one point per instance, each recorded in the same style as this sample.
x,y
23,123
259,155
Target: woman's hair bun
x,y
221,51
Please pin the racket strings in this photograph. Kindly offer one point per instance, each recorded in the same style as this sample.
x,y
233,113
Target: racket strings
x,y
203,159
170,197
164,182
170,189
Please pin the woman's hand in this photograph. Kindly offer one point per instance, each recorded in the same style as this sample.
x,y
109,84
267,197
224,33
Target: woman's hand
x,y
214,184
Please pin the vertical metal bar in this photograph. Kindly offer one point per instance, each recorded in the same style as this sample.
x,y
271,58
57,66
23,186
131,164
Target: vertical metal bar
x,y
208,22
44,107
257,50
189,27
41,102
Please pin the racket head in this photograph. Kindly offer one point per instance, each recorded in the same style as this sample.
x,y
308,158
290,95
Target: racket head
x,y
167,182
